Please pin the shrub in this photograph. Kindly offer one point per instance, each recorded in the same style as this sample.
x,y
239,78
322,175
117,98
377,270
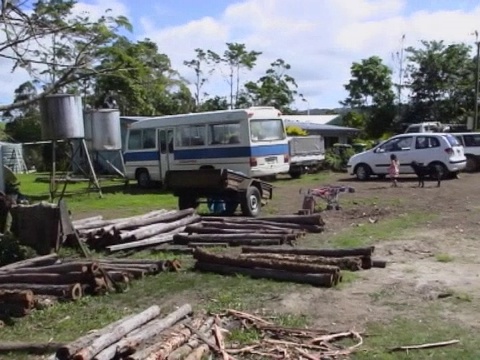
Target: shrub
x,y
11,251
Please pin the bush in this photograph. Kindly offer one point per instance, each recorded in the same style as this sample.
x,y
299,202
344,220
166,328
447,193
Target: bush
x,y
293,130
337,159
11,251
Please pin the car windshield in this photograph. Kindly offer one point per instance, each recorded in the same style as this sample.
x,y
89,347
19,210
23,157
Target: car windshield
x,y
267,130
452,140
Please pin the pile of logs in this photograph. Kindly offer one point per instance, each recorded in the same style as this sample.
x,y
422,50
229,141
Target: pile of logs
x,y
180,335
185,230
318,267
136,232
16,303
70,279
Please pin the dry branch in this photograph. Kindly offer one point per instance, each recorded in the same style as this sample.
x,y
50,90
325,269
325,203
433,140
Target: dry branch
x,y
425,346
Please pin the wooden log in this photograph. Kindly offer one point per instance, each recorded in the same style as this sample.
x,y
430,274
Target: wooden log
x,y
344,263
326,280
184,238
366,262
313,219
87,220
251,221
14,310
36,261
135,221
113,335
150,241
24,296
53,269
206,245
195,229
201,351
135,273
45,278
160,228
29,348
234,260
233,241
241,226
174,249
67,351
366,251
68,291
379,263
128,344
193,342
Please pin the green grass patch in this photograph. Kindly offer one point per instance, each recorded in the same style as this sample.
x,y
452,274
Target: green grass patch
x,y
444,258
424,329
389,229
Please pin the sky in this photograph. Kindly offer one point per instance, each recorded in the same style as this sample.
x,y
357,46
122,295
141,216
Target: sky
x,y
319,38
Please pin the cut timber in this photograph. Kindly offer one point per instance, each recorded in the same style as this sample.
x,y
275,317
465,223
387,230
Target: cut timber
x,y
155,229
113,335
366,251
139,220
30,348
153,240
174,249
326,280
379,263
36,261
293,266
69,291
42,278
250,221
128,344
184,238
344,263
313,219
192,343
237,240
195,229
53,269
23,296
206,245
247,226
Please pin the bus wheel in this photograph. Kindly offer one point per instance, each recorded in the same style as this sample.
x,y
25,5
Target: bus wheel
x,y
252,202
187,202
143,179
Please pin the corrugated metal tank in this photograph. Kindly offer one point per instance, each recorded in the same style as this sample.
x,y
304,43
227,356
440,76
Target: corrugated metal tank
x,y
12,156
87,123
106,132
62,117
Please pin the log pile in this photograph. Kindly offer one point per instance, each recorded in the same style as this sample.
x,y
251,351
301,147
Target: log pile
x,y
181,335
136,232
69,279
318,267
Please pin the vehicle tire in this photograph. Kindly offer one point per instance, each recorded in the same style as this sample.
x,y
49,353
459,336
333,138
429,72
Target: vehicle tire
x,y
472,164
295,174
230,207
251,204
143,179
187,202
363,172
442,168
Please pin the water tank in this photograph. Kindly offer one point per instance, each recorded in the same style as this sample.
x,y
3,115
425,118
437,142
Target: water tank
x,y
106,132
87,123
62,117
13,157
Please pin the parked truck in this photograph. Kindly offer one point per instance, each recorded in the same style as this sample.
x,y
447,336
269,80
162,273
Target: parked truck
x,y
307,153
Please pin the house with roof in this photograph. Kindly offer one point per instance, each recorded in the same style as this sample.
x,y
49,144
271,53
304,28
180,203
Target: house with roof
x,y
328,126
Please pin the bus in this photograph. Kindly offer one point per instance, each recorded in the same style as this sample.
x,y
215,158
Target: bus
x,y
250,141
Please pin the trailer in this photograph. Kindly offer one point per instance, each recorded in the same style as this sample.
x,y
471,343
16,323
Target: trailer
x,y
219,186
306,154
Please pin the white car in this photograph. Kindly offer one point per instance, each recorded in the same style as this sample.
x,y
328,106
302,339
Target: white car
x,y
439,149
471,147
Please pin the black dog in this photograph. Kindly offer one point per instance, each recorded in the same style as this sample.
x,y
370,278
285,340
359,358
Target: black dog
x,y
422,171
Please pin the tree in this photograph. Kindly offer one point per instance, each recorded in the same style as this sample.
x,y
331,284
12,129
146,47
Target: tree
x,y
215,103
441,81
370,85
200,79
276,88
236,57
54,46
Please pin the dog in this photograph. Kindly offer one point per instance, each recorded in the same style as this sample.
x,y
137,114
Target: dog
x,y
422,171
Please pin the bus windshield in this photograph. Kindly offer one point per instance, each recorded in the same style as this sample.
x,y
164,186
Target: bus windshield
x,y
267,130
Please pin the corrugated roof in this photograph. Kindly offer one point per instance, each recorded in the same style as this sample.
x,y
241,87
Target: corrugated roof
x,y
315,119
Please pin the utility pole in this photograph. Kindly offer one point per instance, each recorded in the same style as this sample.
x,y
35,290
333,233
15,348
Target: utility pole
x,y
475,120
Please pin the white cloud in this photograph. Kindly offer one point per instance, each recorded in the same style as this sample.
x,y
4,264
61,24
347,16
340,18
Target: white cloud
x,y
319,38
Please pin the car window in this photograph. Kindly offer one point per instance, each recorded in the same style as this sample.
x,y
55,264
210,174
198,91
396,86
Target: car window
x,y
413,129
471,140
426,142
398,144
452,140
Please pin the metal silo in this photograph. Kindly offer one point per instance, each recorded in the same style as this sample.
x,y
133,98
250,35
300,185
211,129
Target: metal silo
x,y
88,125
62,117
106,132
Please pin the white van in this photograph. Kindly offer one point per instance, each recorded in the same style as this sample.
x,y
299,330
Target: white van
x,y
471,146
439,149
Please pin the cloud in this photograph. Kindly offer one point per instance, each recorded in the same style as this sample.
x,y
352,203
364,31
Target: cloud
x,y
318,38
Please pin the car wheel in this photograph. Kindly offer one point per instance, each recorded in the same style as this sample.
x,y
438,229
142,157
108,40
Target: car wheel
x,y
472,164
143,179
362,172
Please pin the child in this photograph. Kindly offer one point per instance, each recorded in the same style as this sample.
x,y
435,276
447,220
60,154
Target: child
x,y
394,169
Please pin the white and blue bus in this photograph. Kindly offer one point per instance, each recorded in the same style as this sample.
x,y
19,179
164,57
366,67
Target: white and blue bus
x,y
251,141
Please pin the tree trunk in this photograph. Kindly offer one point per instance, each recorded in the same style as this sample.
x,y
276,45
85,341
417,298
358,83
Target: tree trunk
x,y
30,348
246,225
69,291
139,220
200,351
344,263
44,278
326,280
128,344
379,263
36,261
256,221
366,251
154,240
293,266
195,229
183,238
23,296
312,219
87,220
113,335
53,269
206,245
194,341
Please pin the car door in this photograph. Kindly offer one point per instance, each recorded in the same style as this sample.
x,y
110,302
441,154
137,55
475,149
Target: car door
x,y
401,147
426,149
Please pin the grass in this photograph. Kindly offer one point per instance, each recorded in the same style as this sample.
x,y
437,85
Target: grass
x,y
444,258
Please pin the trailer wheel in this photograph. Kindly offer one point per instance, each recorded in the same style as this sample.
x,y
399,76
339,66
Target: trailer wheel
x,y
252,202
187,202
230,207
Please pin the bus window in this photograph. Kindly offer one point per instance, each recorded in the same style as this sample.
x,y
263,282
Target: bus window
x,y
221,134
190,136
135,140
149,141
267,130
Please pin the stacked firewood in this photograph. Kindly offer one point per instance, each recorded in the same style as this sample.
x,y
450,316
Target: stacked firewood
x,y
180,335
70,279
319,267
16,303
136,232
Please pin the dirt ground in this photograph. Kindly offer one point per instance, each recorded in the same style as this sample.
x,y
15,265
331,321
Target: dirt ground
x,y
428,264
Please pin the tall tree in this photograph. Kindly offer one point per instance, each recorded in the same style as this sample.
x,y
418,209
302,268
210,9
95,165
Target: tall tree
x,y
276,88
236,58
441,81
55,46
197,64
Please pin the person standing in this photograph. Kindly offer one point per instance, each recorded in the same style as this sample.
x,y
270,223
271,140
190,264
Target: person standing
x,y
394,169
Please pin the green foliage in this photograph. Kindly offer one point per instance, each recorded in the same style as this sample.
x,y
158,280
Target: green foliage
x,y
197,66
11,251
336,159
293,130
